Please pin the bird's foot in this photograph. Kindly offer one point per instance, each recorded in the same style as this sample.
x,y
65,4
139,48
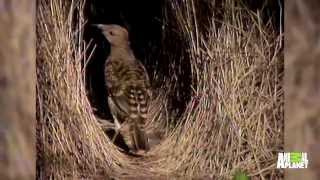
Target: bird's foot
x,y
140,152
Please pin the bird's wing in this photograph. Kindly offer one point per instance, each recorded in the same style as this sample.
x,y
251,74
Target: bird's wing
x,y
128,85
145,77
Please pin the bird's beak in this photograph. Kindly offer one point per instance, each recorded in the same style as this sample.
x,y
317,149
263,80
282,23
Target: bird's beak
x,y
101,26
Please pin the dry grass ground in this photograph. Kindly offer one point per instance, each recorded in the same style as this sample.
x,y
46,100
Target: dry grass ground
x,y
234,119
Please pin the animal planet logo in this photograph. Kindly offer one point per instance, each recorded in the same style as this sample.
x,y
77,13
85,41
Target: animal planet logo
x,y
292,160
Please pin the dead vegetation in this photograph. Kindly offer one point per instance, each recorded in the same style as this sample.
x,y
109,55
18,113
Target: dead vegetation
x,y
234,119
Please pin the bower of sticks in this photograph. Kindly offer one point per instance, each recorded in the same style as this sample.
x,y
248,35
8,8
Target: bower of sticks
x,y
216,69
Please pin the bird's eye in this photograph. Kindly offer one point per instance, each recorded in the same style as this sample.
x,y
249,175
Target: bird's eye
x,y
111,33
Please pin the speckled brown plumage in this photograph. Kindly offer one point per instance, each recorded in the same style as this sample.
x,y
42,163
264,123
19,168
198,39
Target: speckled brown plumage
x,y
128,88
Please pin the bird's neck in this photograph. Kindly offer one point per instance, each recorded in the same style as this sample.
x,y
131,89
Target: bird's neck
x,y
122,51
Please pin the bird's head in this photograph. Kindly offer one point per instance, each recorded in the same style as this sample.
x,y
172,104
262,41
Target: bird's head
x,y
115,34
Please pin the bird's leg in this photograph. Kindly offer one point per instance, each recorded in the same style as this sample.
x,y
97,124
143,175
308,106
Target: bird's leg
x,y
105,124
117,128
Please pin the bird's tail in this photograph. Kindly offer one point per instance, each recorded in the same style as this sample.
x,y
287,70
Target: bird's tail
x,y
139,137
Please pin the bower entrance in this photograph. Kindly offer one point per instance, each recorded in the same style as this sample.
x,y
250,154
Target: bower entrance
x,y
159,50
